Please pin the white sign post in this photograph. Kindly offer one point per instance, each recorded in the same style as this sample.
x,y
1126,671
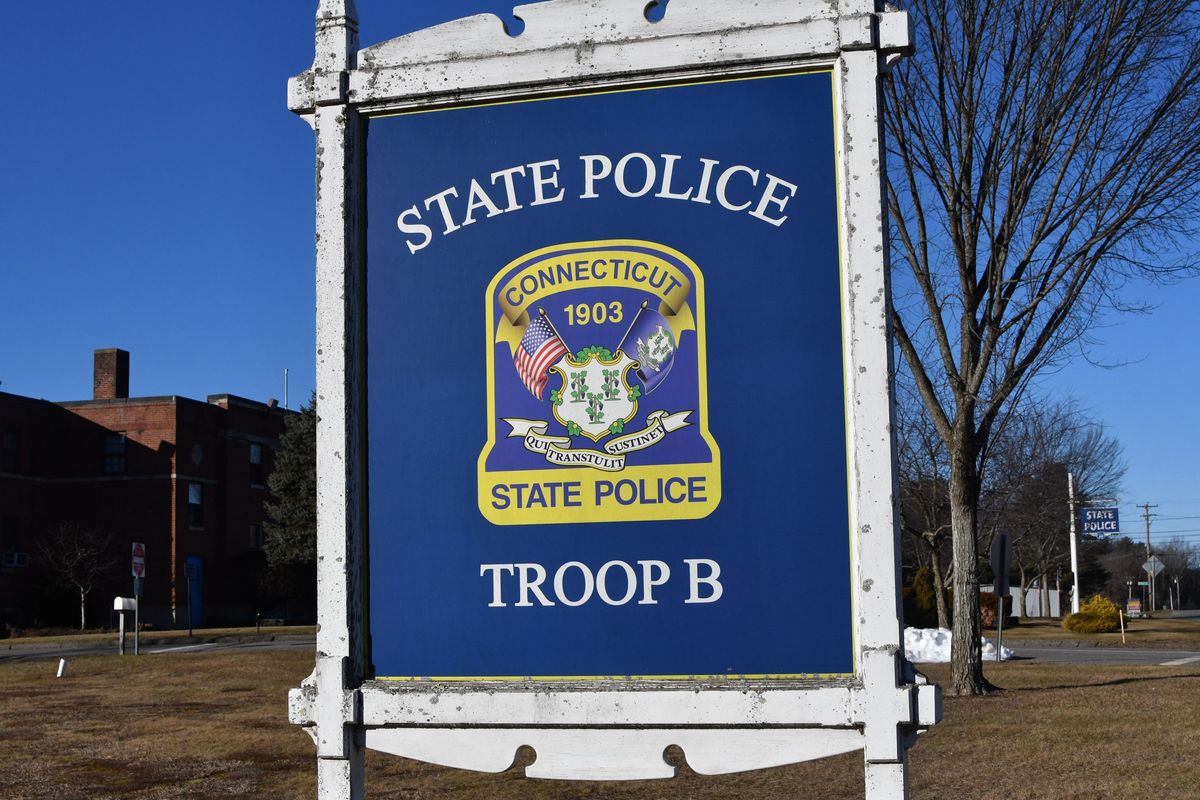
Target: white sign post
x,y
601,728
1153,566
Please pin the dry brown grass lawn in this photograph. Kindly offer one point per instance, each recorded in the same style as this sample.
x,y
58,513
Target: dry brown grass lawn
x,y
209,725
77,638
1157,632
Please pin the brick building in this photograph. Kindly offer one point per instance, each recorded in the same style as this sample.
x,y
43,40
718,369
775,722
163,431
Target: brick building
x,y
186,478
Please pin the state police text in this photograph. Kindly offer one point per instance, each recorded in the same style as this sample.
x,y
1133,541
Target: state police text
x,y
733,187
601,492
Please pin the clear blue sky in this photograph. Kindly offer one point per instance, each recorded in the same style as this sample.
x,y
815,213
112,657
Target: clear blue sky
x,y
157,196
1150,404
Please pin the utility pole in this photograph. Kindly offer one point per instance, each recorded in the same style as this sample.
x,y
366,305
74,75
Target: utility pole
x,y
1149,575
1074,546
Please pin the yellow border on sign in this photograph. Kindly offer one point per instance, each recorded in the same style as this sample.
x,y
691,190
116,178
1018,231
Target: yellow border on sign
x,y
437,109
847,410
569,678
840,176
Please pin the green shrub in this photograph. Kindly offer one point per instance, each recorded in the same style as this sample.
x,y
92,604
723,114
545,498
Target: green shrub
x,y
1097,615
920,605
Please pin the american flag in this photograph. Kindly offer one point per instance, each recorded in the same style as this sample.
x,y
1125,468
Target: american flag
x,y
540,348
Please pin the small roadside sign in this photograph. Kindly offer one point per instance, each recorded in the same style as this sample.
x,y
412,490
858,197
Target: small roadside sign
x,y
139,560
1133,608
1001,558
1143,583
1153,565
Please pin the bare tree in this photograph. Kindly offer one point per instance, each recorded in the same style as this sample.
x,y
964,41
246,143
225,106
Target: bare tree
x,y
1041,155
1026,488
1124,564
77,557
1123,561
924,497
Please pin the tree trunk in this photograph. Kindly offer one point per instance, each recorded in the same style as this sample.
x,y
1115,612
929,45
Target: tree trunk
x,y
82,609
939,588
1044,580
966,651
1024,593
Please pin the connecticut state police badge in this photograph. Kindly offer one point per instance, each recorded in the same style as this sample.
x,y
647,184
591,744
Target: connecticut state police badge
x,y
597,388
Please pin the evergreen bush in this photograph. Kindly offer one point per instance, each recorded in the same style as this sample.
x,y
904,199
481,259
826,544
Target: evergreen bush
x,y
1097,615
920,606
923,590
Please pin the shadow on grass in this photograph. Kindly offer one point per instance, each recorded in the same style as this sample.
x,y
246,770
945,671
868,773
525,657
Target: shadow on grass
x,y
1085,684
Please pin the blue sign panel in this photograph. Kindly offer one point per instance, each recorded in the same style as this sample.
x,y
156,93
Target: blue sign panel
x,y
605,408
1100,521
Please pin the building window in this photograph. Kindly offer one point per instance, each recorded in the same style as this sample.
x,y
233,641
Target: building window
x,y
256,464
195,505
114,453
10,450
257,541
12,550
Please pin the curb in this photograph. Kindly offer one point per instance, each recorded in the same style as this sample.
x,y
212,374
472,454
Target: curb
x,y
1064,643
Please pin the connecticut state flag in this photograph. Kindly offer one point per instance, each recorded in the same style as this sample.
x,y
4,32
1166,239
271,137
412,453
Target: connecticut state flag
x,y
650,342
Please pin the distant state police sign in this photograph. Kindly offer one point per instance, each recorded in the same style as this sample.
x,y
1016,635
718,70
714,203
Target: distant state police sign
x,y
606,414
1100,521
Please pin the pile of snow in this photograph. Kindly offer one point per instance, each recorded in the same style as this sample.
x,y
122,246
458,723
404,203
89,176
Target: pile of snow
x,y
929,645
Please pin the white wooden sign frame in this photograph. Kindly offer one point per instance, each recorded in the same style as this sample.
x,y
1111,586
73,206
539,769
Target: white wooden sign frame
x,y
595,730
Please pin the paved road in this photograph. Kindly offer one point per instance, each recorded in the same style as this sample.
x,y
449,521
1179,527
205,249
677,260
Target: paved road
x,y
1104,655
42,653
1191,613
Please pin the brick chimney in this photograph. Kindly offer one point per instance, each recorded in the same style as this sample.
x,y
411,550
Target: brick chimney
x,y
110,374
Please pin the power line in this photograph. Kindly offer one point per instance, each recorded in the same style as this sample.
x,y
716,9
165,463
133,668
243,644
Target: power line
x,y
1182,534
1172,530
1177,534
1186,531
